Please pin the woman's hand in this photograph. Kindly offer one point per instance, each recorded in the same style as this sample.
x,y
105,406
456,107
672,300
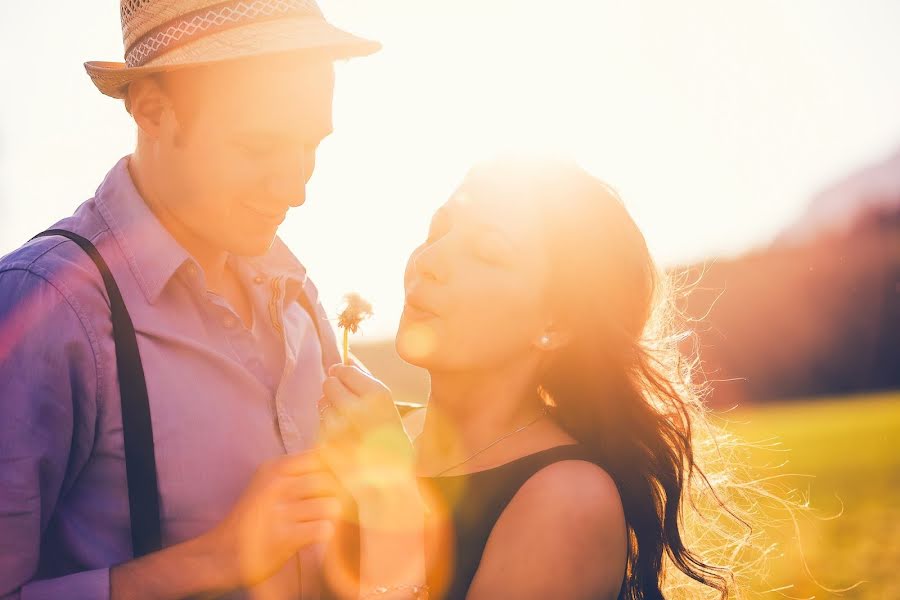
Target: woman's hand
x,y
365,445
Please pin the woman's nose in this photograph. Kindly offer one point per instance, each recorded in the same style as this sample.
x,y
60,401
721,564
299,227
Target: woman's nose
x,y
429,264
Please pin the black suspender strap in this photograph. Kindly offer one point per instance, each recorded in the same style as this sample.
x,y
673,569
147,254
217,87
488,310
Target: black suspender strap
x,y
137,430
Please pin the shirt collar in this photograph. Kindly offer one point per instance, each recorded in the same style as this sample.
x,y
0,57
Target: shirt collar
x,y
280,262
153,255
150,250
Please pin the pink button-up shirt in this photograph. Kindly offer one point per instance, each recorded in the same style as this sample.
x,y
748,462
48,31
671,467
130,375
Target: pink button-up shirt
x,y
223,398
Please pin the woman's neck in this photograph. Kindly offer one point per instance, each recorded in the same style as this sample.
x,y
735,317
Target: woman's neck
x,y
468,411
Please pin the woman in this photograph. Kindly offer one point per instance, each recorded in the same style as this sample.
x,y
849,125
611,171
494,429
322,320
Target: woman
x,y
557,437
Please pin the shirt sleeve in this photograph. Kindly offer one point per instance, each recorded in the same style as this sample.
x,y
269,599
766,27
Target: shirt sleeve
x,y
86,585
48,387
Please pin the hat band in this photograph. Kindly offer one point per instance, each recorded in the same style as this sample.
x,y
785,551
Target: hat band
x,y
212,19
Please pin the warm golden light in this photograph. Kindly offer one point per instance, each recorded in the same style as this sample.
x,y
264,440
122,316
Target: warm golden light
x,y
626,88
715,125
416,341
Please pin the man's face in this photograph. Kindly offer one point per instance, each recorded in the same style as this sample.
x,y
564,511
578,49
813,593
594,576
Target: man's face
x,y
241,148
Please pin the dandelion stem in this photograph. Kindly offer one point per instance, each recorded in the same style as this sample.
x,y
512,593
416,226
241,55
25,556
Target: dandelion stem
x,y
346,346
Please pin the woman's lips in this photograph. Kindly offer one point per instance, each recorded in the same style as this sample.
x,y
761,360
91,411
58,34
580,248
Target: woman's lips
x,y
417,311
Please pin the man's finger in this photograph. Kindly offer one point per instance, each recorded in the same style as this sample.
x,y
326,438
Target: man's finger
x,y
303,534
310,485
301,463
314,509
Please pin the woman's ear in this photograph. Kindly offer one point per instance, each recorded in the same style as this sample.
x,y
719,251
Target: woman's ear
x,y
553,338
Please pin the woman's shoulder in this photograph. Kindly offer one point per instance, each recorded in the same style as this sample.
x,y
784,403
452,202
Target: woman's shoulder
x,y
568,517
576,485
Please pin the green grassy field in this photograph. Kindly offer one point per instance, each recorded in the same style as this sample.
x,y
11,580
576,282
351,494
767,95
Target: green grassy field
x,y
850,449
846,454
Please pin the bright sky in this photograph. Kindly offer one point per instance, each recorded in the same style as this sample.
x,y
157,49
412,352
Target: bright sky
x,y
715,120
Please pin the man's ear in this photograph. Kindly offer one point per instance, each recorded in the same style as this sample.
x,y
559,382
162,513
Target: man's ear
x,y
150,106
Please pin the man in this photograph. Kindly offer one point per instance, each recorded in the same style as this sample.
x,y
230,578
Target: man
x,y
231,100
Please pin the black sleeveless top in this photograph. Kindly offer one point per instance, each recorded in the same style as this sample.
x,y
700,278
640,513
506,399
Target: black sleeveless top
x,y
476,501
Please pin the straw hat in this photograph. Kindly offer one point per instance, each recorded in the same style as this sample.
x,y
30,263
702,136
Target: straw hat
x,y
162,35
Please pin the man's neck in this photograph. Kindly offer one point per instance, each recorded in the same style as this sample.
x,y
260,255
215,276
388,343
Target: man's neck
x,y
212,260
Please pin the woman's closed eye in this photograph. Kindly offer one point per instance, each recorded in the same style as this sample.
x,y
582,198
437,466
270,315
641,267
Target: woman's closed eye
x,y
491,248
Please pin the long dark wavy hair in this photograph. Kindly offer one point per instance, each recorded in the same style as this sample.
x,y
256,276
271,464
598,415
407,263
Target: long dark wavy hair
x,y
621,387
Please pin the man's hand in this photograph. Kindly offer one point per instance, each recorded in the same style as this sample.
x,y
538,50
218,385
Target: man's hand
x,y
289,504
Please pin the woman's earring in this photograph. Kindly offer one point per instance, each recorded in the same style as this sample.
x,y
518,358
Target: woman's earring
x,y
544,341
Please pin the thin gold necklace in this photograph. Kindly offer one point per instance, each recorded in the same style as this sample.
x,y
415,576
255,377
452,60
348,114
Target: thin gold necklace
x,y
492,444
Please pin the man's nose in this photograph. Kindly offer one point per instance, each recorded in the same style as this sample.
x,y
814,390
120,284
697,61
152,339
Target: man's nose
x,y
288,185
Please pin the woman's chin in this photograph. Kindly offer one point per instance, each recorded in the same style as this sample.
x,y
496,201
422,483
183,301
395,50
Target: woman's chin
x,y
416,342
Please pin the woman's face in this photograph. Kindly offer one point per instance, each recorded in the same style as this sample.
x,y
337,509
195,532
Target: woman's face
x,y
474,288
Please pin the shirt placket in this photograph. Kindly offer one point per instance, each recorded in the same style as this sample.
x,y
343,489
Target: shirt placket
x,y
291,437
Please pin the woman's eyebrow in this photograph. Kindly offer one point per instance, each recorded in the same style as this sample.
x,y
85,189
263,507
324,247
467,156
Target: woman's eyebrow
x,y
442,212
483,226
486,227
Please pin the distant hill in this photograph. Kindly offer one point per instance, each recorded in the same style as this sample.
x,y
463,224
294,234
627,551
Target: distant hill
x,y
818,312
867,197
408,383
822,318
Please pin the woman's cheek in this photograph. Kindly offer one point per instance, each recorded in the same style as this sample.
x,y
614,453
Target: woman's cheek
x,y
485,332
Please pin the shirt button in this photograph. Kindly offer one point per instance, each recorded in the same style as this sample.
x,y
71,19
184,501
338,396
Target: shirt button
x,y
259,279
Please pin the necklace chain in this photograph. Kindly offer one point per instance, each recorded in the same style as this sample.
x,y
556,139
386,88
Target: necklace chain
x,y
492,444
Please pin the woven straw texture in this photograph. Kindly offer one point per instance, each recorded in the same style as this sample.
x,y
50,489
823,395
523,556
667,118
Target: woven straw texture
x,y
162,35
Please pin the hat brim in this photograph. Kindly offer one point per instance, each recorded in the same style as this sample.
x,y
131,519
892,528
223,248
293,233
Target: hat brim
x,y
313,36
